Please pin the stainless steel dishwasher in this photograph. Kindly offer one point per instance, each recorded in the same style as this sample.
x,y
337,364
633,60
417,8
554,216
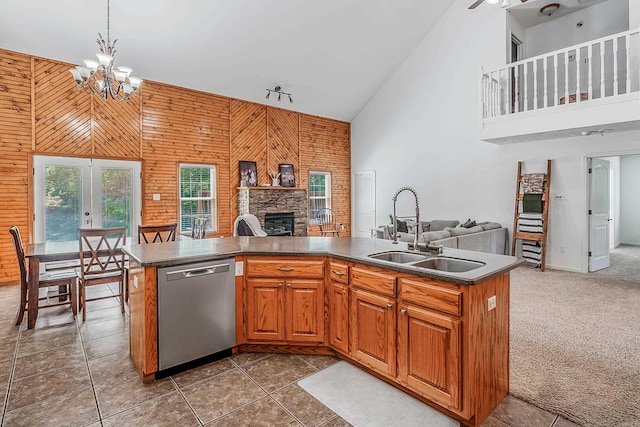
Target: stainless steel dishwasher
x,y
196,311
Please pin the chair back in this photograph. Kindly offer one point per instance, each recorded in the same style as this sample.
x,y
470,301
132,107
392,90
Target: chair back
x,y
326,218
157,233
17,244
199,228
101,252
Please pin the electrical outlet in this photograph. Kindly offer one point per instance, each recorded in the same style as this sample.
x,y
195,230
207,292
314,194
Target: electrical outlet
x,y
156,196
491,303
239,268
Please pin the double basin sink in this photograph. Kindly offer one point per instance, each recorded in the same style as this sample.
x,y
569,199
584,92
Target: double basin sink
x,y
428,261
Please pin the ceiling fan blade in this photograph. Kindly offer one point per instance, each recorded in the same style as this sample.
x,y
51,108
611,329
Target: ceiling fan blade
x,y
476,4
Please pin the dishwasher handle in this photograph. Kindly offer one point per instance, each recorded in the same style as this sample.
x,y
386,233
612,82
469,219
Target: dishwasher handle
x,y
198,271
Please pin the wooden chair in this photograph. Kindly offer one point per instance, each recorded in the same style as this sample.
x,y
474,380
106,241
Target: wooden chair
x,y
326,220
199,228
64,279
157,233
101,261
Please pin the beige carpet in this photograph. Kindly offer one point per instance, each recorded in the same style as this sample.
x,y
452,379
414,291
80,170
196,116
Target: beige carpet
x,y
575,345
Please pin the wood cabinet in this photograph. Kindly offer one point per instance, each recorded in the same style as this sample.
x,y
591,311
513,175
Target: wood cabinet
x,y
429,340
372,319
285,300
338,290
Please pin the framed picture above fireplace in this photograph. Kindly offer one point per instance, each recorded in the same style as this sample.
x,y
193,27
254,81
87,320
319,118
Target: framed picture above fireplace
x,y
248,173
287,177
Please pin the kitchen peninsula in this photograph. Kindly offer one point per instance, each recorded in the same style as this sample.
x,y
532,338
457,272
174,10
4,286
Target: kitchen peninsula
x,y
438,334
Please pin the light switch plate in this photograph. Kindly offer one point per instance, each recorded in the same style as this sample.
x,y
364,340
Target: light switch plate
x,y
239,268
156,196
491,303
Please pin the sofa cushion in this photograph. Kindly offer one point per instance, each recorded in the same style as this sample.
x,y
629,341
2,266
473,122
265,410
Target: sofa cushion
x,y
434,235
411,225
491,226
441,224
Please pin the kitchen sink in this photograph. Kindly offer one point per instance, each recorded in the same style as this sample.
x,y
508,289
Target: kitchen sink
x,y
452,265
399,256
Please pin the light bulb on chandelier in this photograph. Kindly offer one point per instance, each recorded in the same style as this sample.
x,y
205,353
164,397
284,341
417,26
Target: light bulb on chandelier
x,y
101,78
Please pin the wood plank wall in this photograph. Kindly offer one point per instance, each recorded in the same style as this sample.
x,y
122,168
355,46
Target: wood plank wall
x,y
41,112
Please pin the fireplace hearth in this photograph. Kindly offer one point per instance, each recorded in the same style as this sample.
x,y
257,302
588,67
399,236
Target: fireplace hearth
x,y
279,223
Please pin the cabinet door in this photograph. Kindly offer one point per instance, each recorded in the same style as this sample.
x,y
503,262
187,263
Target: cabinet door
x,y
429,354
339,317
304,300
373,331
265,310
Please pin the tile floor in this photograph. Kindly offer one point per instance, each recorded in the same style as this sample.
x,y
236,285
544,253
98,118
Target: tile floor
x,y
71,373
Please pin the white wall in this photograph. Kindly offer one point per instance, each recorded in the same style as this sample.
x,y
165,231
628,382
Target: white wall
x,y
600,20
422,129
630,200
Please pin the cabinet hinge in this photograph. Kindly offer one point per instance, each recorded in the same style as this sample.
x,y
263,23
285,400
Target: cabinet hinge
x,y
589,253
590,170
590,212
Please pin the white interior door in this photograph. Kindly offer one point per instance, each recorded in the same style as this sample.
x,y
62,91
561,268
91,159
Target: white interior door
x,y
70,193
599,214
364,201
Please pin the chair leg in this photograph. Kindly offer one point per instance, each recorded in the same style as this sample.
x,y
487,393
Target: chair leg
x,y
121,283
62,289
74,297
23,304
83,297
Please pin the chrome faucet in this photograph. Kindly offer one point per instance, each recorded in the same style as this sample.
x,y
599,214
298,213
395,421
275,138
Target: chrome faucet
x,y
395,217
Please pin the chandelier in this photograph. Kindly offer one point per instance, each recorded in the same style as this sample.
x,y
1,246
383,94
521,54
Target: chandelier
x,y
101,78
279,91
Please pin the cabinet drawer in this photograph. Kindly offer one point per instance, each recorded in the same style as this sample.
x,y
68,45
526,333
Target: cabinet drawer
x,y
339,272
370,279
431,294
259,267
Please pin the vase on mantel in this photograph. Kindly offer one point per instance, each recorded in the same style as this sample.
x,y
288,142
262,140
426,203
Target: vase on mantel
x,y
275,182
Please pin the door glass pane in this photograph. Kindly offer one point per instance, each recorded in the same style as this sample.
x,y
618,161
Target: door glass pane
x,y
63,202
116,198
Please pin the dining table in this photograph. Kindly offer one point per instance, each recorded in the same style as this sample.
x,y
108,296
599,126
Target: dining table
x,y
37,253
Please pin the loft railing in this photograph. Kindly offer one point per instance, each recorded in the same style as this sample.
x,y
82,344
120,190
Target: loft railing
x,y
598,69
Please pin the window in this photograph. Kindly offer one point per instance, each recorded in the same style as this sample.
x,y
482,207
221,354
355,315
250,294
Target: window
x,y
197,196
319,193
72,192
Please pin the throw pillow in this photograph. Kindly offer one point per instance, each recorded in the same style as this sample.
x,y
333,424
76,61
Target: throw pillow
x,y
491,226
440,224
469,223
411,226
401,226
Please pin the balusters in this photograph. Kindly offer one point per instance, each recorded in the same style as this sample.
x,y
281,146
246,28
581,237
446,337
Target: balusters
x,y
627,43
555,79
590,70
578,66
615,66
566,78
516,71
545,97
525,99
602,69
535,84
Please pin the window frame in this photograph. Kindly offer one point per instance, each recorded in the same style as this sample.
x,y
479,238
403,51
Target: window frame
x,y
328,195
212,225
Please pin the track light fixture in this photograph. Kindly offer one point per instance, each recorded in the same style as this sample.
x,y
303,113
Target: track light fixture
x,y
279,91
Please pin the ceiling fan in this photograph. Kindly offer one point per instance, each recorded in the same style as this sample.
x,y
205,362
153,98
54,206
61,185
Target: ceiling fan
x,y
479,2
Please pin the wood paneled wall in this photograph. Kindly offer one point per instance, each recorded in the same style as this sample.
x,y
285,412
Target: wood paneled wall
x,y
41,112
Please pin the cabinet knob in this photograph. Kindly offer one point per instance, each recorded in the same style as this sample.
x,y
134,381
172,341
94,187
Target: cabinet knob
x,y
288,285
279,285
403,311
389,305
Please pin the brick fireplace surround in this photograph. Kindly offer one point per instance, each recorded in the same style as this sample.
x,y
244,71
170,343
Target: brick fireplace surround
x,y
261,200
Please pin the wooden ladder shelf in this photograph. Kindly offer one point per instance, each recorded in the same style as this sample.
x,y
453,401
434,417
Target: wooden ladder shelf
x,y
540,238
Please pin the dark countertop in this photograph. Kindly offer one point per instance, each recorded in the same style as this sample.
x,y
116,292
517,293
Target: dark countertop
x,y
356,249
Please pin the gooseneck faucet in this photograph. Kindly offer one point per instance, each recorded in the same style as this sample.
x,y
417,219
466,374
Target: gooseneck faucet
x,y
395,220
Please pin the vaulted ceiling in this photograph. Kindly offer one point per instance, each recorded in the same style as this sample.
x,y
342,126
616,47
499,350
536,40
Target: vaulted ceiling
x,y
332,55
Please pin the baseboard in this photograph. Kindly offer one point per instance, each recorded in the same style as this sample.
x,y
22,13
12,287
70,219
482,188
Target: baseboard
x,y
564,268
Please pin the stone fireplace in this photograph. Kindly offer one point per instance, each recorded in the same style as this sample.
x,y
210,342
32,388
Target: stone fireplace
x,y
262,200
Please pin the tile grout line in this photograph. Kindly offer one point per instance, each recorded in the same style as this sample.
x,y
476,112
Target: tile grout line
x,y
86,361
175,385
11,374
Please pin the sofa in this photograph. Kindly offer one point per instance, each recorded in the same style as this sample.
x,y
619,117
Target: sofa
x,y
486,236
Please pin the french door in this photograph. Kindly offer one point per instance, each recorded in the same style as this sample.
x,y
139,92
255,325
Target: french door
x,y
71,193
